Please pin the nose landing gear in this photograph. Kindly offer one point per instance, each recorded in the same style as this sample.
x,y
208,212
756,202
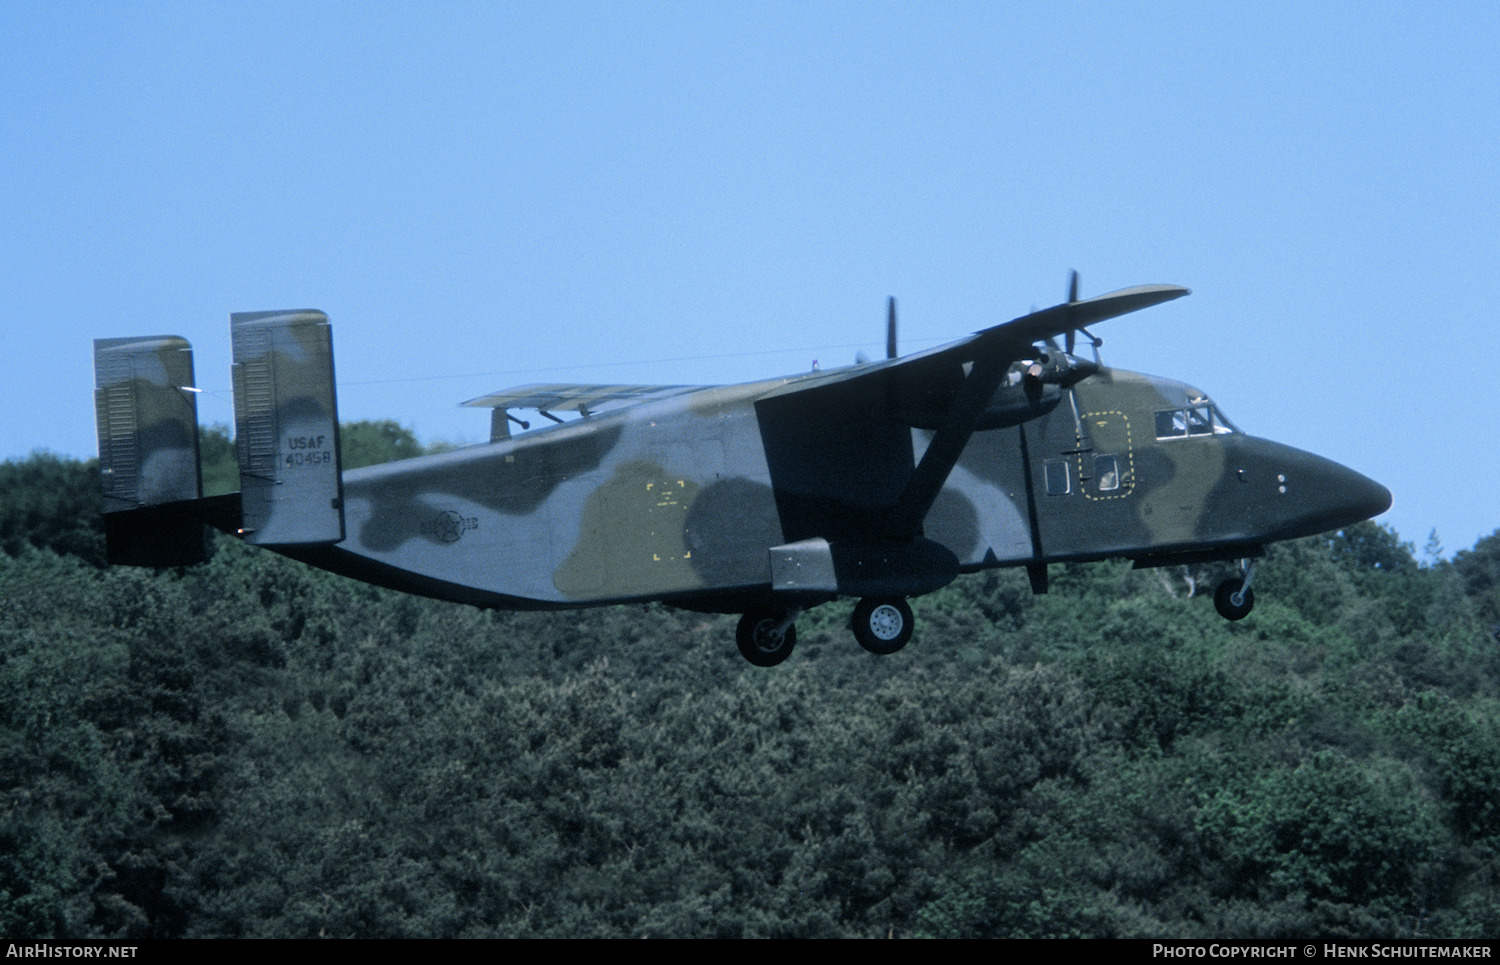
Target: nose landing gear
x,y
1233,598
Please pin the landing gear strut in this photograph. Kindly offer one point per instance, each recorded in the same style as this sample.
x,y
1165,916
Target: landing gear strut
x,y
882,625
766,637
1233,598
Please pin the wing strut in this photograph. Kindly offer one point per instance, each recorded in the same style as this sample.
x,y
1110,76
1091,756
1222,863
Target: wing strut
x,y
947,445
949,387
985,357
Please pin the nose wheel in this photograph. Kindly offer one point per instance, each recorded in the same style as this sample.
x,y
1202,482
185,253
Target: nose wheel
x,y
1233,598
882,625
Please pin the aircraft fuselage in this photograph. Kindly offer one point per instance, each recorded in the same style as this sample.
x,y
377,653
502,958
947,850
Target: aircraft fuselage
x,y
881,481
682,499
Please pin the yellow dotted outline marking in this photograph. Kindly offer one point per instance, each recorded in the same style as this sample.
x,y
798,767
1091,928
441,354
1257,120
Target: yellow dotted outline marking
x,y
668,500
1125,490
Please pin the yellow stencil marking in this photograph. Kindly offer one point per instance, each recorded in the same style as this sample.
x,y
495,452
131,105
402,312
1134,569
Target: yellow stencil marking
x,y
1102,420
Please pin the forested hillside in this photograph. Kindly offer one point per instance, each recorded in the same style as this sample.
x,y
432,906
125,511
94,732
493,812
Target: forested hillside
x,y
254,748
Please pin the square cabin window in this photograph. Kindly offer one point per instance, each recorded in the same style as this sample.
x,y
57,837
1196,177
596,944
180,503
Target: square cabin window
x,y
1057,477
1107,472
1171,424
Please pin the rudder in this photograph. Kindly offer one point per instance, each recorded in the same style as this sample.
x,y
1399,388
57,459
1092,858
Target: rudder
x,y
147,418
286,428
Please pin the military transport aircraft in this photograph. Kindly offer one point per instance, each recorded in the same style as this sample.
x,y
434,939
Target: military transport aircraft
x,y
882,481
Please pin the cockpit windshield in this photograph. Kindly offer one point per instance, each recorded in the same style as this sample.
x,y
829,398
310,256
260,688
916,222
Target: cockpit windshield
x,y
1203,419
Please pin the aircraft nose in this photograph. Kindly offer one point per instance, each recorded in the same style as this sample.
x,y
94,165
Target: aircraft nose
x,y
1309,494
1366,498
1330,496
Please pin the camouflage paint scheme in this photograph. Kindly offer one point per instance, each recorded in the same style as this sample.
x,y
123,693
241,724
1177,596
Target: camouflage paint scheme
x,y
677,501
147,417
148,425
884,479
286,428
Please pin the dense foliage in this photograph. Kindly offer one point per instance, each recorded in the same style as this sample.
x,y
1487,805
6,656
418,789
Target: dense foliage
x,y
254,748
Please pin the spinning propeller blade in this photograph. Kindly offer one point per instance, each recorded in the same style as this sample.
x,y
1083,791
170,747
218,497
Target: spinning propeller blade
x,y
890,329
1072,297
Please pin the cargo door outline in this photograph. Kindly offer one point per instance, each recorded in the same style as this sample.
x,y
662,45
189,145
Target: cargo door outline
x,y
1106,467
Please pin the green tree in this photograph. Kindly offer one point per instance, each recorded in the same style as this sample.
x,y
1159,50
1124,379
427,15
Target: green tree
x,y
1480,569
220,464
52,502
369,443
1330,831
1371,546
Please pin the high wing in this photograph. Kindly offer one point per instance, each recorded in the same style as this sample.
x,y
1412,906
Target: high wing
x,y
947,388
581,398
1069,316
928,374
944,389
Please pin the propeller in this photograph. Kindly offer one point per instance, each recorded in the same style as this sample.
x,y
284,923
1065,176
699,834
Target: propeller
x,y
1059,366
1094,341
890,328
890,334
1072,297
1077,371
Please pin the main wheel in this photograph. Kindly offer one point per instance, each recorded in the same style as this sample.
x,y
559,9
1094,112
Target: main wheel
x,y
882,626
763,640
1224,600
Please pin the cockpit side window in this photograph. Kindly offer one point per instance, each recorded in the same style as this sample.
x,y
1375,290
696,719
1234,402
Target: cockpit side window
x,y
1196,420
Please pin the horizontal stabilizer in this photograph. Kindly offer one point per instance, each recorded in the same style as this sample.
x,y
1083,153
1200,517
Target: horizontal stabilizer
x,y
164,535
286,428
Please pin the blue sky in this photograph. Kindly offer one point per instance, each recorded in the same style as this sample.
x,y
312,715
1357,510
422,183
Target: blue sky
x,y
487,194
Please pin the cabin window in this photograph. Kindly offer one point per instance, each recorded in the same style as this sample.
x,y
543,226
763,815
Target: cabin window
x,y
1058,483
1107,472
1196,420
1171,424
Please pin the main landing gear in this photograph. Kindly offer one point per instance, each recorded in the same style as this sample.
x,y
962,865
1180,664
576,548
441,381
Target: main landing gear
x,y
767,635
882,626
1233,598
